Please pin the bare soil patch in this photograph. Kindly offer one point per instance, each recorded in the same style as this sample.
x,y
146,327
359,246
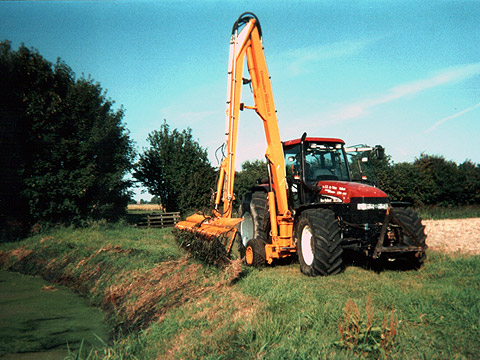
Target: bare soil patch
x,y
459,235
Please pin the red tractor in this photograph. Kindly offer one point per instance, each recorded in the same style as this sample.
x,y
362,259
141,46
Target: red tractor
x,y
310,206
331,211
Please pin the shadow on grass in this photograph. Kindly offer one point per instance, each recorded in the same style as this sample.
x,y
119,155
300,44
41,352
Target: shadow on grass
x,y
400,263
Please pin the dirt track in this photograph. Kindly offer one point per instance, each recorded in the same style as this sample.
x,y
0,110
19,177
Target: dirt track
x,y
462,235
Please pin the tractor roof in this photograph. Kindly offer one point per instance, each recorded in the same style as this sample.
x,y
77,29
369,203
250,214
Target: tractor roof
x,y
314,139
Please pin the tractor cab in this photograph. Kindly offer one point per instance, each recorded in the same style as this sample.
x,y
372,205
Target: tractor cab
x,y
312,161
323,170
316,159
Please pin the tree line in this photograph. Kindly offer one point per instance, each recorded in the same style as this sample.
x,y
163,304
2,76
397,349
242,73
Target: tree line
x,y
430,180
67,156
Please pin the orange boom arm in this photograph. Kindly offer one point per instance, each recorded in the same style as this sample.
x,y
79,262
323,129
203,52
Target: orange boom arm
x,y
247,44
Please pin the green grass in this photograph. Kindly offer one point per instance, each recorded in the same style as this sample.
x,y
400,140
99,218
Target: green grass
x,y
435,311
269,313
295,317
453,212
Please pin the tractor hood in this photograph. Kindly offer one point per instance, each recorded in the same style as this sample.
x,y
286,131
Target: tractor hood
x,y
345,191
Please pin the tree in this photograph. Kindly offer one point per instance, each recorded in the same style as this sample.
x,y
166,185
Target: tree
x,y
176,169
72,151
155,200
469,174
404,183
440,180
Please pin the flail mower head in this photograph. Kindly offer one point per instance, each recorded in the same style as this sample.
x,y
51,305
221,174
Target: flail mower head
x,y
208,238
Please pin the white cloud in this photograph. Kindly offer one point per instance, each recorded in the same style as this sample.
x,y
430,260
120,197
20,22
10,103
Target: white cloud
x,y
460,113
302,59
443,77
449,75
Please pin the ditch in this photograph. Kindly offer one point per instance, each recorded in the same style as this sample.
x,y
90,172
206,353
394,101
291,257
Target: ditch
x,y
40,320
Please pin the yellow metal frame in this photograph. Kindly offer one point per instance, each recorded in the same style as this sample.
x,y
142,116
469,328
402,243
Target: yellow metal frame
x,y
248,44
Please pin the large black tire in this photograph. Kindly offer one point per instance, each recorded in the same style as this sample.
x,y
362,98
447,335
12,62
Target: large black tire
x,y
410,219
257,220
255,253
318,240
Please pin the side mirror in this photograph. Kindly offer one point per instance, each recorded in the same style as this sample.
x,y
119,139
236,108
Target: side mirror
x,y
379,152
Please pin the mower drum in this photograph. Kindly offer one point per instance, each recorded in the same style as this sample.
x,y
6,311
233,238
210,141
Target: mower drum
x,y
207,238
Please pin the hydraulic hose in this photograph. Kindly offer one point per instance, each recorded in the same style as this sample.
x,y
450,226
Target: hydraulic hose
x,y
245,18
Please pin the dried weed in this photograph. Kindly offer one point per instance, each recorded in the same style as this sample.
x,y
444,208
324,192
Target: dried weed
x,y
19,253
148,296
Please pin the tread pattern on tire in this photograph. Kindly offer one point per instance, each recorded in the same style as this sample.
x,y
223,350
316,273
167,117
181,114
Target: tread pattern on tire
x,y
410,219
261,216
327,249
257,206
258,247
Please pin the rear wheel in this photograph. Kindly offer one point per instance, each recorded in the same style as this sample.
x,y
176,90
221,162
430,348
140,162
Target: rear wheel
x,y
255,253
412,222
319,243
256,223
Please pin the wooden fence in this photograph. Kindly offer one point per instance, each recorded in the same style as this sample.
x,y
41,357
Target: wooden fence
x,y
159,220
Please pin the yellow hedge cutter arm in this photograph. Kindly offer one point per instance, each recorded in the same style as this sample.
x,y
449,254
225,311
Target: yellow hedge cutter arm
x,y
220,225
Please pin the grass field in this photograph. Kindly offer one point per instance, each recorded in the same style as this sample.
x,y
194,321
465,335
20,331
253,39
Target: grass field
x,y
441,213
163,305
144,207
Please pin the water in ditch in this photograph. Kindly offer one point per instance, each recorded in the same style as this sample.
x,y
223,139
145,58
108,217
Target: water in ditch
x,y
39,320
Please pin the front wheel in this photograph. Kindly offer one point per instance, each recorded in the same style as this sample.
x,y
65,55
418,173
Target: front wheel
x,y
319,243
255,253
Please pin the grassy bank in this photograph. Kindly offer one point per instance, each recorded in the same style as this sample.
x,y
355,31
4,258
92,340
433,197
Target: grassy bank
x,y
166,306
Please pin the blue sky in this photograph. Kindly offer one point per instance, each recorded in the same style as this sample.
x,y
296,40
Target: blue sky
x,y
404,74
